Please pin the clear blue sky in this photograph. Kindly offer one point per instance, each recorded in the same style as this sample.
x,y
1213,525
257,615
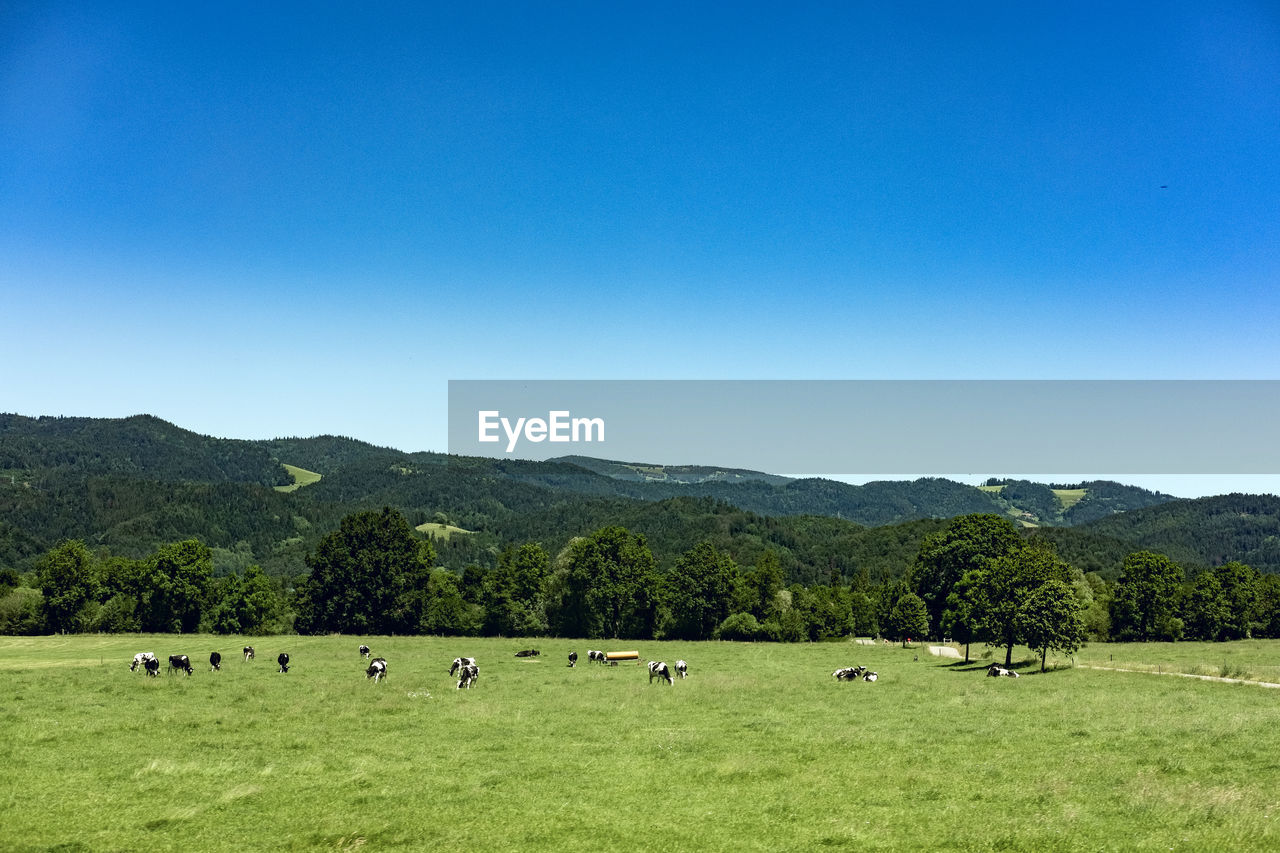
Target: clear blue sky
x,y
258,220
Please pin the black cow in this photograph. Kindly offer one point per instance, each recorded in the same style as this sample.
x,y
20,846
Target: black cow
x,y
377,669
573,658
467,675
283,660
181,662
364,651
248,652
215,661
528,653
658,669
152,666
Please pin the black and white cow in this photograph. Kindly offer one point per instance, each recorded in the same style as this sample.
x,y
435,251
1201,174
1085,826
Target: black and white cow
x,y
658,669
573,658
364,651
682,669
152,666
995,671
595,656
870,676
467,675
459,663
528,653
215,661
248,653
377,669
848,673
140,660
283,660
181,662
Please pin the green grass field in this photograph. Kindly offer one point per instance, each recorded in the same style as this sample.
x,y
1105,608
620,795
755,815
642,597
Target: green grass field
x,y
760,749
301,477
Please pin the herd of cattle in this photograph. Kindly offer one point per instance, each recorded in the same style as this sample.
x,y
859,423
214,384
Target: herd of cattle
x,y
467,671
464,668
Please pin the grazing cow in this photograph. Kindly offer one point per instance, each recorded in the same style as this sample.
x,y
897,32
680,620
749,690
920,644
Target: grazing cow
x,y
870,676
467,675
573,658
995,671
596,656
248,652
364,651
459,663
140,660
377,669
682,669
215,661
658,669
181,662
283,660
528,653
152,666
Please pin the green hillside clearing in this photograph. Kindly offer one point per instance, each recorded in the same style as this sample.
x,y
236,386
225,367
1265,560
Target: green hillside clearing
x,y
301,477
440,531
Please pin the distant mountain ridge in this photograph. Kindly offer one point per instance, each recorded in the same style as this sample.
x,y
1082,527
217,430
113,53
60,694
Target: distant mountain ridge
x,y
130,484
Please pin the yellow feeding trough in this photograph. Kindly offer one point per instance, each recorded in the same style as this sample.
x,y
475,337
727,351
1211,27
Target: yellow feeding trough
x,y
614,657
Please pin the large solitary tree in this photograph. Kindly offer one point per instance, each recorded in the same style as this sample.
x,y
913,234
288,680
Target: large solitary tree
x,y
968,543
367,577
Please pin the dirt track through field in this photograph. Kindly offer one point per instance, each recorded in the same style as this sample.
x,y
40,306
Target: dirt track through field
x,y
1184,675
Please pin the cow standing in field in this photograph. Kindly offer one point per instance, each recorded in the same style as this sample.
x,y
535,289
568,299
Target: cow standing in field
x,y
459,663
181,662
364,651
467,675
215,661
682,669
248,653
152,666
597,656
283,660
573,658
658,669
140,660
377,669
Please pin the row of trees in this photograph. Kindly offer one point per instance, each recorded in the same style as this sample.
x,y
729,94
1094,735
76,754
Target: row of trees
x,y
976,580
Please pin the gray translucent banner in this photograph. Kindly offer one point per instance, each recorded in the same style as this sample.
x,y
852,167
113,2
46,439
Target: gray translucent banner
x,y
879,427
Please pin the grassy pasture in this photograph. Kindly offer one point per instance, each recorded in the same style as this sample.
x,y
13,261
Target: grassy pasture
x,y
301,477
441,531
1070,497
760,749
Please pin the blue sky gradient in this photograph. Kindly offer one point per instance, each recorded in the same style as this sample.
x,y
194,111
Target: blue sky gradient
x,y
306,218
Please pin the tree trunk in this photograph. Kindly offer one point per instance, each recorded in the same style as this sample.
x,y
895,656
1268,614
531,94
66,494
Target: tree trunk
x,y
1044,654
966,652
1008,655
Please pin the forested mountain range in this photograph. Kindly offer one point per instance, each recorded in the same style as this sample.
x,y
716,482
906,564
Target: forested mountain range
x,y
129,485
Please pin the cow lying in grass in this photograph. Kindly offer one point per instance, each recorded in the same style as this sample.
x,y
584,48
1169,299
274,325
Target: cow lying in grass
x,y
850,673
528,653
995,671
